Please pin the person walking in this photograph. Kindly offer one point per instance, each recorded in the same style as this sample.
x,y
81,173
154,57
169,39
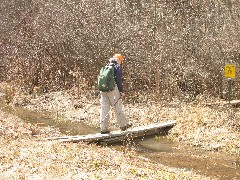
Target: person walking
x,y
113,99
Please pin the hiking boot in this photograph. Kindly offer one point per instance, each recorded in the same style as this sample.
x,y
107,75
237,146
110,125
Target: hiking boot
x,y
126,127
105,132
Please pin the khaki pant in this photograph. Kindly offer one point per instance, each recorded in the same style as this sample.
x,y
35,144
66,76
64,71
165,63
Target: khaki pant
x,y
108,99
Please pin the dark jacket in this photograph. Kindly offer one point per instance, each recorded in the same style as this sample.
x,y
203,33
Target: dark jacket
x,y
118,75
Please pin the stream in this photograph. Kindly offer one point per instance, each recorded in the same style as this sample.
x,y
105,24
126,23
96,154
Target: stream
x,y
157,150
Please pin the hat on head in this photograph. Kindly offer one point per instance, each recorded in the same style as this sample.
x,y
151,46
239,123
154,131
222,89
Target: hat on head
x,y
119,56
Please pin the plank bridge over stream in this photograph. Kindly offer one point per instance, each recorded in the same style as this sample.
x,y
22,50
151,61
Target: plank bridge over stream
x,y
119,136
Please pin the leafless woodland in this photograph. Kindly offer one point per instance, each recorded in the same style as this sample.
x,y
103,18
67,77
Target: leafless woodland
x,y
172,48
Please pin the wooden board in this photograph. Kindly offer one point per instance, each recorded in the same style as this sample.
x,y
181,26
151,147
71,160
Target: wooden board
x,y
232,103
115,136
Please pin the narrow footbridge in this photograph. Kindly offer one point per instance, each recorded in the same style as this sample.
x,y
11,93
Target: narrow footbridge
x,y
118,136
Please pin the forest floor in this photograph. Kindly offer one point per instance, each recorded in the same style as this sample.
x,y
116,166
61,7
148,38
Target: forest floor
x,y
27,154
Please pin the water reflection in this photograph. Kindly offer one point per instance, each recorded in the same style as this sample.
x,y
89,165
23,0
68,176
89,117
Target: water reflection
x,y
46,119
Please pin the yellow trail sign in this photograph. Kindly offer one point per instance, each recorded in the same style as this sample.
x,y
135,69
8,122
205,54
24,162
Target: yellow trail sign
x,y
230,70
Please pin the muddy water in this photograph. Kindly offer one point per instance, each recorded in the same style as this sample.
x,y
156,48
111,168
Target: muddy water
x,y
45,119
213,164
160,151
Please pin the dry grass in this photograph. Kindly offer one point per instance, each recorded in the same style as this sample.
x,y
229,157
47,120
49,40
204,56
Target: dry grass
x,y
208,128
25,154
199,125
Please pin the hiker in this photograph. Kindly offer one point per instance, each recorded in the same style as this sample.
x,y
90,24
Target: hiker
x,y
113,98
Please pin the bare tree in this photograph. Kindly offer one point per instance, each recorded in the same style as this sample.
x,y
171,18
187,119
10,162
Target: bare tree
x,y
171,47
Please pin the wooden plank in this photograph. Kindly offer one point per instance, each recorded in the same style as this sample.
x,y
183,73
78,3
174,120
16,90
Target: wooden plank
x,y
234,103
118,135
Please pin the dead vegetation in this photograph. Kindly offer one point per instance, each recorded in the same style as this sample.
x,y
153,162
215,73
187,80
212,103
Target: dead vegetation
x,y
175,51
171,48
26,154
201,124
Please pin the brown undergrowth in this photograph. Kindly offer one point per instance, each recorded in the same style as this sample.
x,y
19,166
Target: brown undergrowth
x,y
209,127
203,123
26,154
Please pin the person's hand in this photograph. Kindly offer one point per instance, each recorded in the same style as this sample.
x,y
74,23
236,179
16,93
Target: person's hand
x,y
122,94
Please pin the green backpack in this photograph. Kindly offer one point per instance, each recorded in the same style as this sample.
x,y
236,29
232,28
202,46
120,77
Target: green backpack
x,y
106,81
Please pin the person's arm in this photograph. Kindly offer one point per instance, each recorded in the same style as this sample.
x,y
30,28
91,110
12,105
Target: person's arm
x,y
118,78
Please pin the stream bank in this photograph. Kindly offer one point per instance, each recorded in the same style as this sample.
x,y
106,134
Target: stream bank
x,y
157,150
